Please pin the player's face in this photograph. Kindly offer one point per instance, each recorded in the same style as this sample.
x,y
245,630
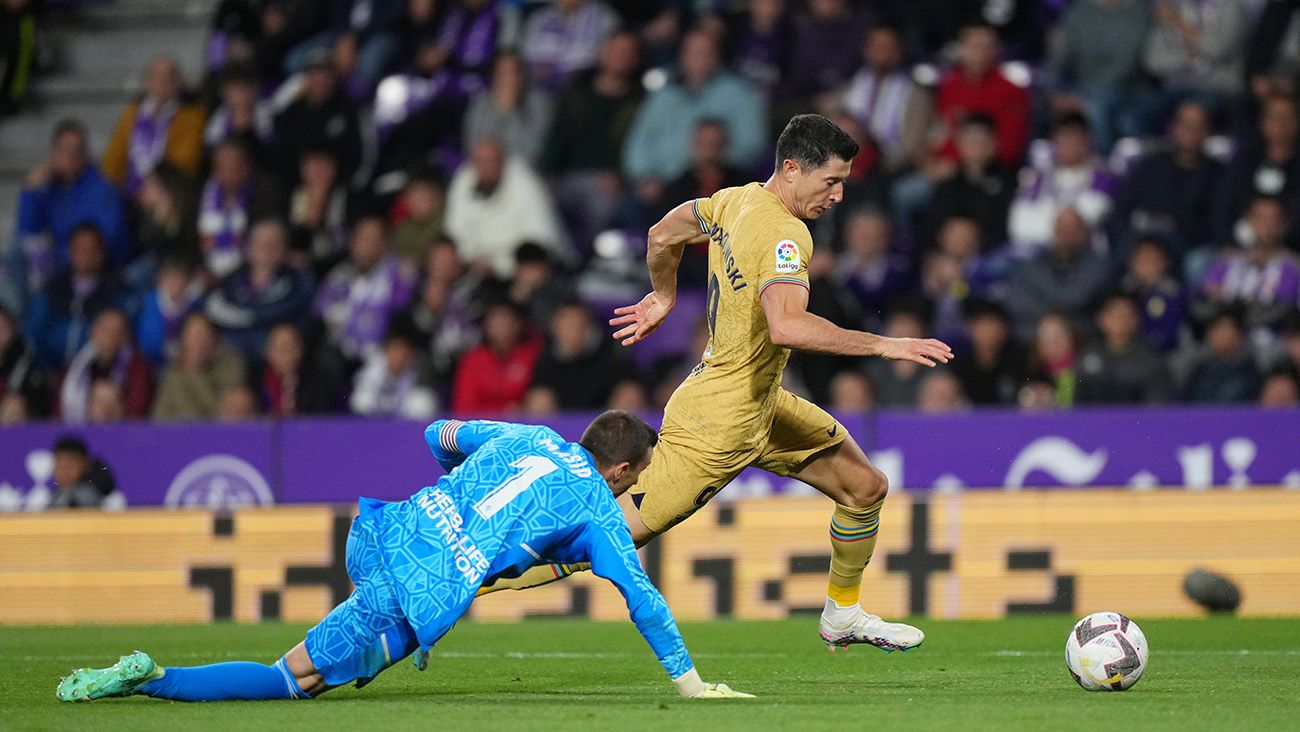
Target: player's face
x,y
816,190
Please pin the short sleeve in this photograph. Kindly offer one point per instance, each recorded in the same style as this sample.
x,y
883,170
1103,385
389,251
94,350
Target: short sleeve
x,y
783,257
703,209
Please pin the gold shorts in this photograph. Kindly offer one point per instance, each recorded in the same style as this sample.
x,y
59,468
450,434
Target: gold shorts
x,y
685,472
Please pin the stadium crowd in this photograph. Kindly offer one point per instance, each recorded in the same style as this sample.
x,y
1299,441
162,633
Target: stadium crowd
x,y
398,207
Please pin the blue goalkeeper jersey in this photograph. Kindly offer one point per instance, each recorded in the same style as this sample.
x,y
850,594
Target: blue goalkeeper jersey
x,y
514,496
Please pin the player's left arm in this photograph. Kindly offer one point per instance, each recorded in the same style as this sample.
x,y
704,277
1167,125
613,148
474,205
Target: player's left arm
x,y
613,556
452,440
665,243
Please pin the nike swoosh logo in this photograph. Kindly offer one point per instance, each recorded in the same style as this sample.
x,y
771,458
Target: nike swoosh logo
x,y
831,432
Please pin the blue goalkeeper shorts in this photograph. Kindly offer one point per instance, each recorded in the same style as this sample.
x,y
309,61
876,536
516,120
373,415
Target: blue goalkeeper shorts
x,y
368,632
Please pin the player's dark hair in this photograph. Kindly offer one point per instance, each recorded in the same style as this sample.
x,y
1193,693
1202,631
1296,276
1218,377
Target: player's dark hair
x,y
618,437
71,443
811,140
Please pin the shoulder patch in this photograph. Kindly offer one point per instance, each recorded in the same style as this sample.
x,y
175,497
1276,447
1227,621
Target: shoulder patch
x,y
787,256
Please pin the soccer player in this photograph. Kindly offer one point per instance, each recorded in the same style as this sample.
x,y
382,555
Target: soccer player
x,y
731,412
515,495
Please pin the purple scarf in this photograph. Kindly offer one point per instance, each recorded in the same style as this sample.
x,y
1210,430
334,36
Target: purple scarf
x,y
74,396
148,141
223,220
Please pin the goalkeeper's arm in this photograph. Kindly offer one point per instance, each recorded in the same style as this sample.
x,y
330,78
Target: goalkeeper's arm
x,y
613,556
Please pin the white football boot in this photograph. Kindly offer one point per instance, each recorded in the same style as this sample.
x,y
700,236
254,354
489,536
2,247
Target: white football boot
x,y
842,627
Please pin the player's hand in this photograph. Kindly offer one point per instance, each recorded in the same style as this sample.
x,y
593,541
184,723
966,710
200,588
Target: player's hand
x,y
925,351
640,320
719,691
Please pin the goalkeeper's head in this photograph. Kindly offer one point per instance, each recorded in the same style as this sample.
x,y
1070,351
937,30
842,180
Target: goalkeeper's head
x,y
621,444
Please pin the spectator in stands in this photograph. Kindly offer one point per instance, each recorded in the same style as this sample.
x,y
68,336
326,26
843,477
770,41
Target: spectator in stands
x,y
700,88
263,33
176,293
762,44
898,383
84,481
1067,277
873,274
318,211
940,393
166,224
241,115
107,404
389,383
1270,57
584,144
1121,367
265,291
565,38
443,329
1094,66
956,271
471,34
322,114
237,404
1268,165
866,186
979,187
887,103
1261,275
419,224
825,51
419,32
630,395
17,53
829,301
62,193
1225,372
850,393
109,355
510,111
494,204
993,368
192,385
227,208
538,285
1197,50
1281,389
1170,193
363,291
24,387
580,366
285,387
161,125
58,320
1054,358
1074,178
1161,300
494,377
976,85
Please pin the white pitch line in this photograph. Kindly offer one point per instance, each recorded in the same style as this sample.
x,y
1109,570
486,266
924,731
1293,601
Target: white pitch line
x,y
1174,652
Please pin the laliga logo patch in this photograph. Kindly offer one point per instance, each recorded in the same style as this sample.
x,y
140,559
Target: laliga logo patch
x,y
787,256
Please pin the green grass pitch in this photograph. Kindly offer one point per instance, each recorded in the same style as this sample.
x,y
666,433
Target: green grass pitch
x,y
1216,673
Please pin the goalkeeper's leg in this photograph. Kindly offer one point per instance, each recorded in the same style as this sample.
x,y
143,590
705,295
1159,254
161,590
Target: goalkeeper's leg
x,y
542,574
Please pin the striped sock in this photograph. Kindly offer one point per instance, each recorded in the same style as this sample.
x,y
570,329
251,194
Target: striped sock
x,y
536,576
853,539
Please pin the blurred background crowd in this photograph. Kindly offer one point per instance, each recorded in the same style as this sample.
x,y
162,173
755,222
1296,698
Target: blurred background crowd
x,y
402,207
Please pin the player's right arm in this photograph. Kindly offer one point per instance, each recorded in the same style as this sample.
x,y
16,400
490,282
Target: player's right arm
x,y
665,243
452,440
790,325
613,556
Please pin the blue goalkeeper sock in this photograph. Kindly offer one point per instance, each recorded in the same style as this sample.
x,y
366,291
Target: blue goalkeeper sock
x,y
226,682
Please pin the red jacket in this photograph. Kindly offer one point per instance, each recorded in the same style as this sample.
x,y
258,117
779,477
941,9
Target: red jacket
x,y
993,95
487,383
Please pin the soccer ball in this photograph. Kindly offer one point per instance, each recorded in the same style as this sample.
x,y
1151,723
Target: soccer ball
x,y
1106,652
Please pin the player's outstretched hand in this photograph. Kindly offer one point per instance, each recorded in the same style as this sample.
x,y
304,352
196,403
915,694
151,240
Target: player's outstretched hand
x,y
639,320
720,691
925,351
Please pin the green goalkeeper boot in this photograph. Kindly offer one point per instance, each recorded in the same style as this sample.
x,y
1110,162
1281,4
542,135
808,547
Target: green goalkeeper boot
x,y
124,678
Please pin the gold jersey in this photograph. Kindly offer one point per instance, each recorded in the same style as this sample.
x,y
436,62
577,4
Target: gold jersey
x,y
729,399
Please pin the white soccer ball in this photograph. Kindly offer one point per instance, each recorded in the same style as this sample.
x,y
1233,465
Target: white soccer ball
x,y
1106,652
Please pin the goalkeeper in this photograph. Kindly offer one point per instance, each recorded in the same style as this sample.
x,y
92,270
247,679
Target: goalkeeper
x,y
514,496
